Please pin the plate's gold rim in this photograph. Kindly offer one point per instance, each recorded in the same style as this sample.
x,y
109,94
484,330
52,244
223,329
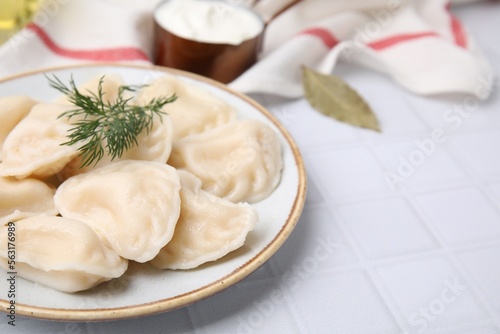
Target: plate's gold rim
x,y
164,305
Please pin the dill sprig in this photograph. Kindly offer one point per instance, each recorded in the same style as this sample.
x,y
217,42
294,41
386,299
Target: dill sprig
x,y
104,126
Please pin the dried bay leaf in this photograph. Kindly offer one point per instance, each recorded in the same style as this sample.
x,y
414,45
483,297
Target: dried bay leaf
x,y
333,97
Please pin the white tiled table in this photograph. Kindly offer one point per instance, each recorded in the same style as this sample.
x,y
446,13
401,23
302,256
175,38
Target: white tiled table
x,y
422,257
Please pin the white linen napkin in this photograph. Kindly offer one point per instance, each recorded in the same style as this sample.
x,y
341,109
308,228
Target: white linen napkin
x,y
419,43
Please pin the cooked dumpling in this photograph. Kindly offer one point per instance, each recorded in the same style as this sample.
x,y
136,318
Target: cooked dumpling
x,y
12,111
209,227
240,161
155,145
195,109
61,253
132,205
34,147
28,197
110,86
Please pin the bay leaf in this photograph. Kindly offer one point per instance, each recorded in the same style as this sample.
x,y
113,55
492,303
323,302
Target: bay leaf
x,y
333,97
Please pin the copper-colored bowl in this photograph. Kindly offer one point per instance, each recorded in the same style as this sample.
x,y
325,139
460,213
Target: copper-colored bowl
x,y
221,62
218,61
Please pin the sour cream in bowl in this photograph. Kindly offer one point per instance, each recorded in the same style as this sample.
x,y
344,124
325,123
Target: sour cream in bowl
x,y
212,38
209,21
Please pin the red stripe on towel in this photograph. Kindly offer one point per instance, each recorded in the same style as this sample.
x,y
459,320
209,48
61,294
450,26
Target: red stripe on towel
x,y
330,41
326,37
397,39
112,54
457,29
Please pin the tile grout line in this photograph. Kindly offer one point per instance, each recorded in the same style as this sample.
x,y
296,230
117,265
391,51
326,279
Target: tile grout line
x,y
365,265
485,301
382,287
477,290
449,254
480,182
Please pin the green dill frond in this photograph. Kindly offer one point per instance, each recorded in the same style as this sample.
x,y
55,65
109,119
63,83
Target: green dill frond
x,y
104,127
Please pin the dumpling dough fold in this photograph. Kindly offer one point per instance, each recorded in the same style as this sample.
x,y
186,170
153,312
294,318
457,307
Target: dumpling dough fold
x,y
110,87
28,197
154,145
60,253
12,110
195,110
132,205
240,161
33,147
209,227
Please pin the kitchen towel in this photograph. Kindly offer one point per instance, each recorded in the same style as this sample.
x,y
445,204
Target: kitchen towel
x,y
420,44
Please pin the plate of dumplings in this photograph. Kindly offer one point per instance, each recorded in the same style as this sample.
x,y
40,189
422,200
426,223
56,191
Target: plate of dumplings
x,y
206,196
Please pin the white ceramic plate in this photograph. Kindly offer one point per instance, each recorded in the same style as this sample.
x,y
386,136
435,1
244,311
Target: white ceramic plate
x,y
144,290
